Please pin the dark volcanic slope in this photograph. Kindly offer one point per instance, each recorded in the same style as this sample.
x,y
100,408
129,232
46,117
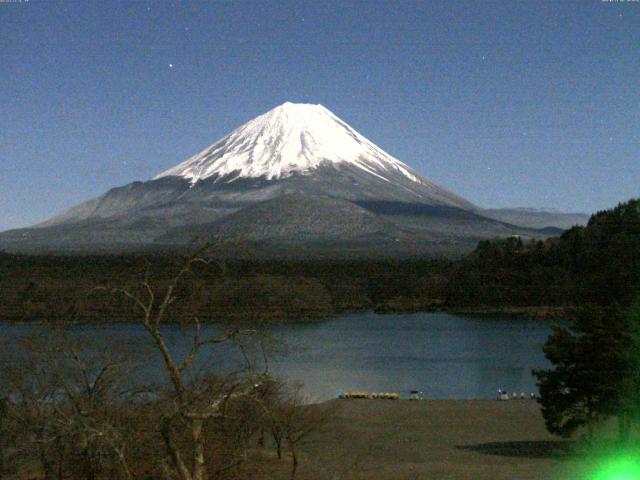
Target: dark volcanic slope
x,y
292,217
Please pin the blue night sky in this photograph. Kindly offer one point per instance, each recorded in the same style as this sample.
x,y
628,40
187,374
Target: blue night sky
x,y
508,103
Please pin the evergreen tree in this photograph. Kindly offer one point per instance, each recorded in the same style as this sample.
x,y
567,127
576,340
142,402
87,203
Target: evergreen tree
x,y
595,372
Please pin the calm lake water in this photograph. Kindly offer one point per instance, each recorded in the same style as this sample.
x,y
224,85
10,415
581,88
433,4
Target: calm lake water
x,y
445,356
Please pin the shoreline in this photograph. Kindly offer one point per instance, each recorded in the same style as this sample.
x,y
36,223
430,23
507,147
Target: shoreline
x,y
534,313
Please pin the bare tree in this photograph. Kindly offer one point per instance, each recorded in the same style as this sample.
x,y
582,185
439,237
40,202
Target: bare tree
x,y
29,391
291,420
63,396
92,384
193,404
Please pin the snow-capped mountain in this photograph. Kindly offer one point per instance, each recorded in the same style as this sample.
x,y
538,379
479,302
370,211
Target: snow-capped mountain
x,y
297,140
292,169
292,138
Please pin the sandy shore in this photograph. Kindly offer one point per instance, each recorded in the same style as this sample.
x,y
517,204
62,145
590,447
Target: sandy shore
x,y
448,439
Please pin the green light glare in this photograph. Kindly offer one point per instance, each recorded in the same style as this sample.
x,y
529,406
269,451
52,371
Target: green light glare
x,y
625,467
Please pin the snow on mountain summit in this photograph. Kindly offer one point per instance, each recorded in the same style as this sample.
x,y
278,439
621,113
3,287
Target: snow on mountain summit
x,y
291,138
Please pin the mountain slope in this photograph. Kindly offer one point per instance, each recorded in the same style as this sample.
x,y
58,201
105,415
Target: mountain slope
x,y
295,174
290,217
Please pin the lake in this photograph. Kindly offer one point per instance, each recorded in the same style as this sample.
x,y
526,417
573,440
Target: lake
x,y
443,355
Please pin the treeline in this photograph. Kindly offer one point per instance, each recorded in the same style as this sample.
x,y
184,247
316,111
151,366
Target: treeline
x,y
48,287
598,264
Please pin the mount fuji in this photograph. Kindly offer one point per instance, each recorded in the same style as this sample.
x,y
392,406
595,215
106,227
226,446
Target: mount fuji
x,y
295,180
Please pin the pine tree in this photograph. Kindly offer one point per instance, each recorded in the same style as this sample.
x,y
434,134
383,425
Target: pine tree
x,y
595,371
